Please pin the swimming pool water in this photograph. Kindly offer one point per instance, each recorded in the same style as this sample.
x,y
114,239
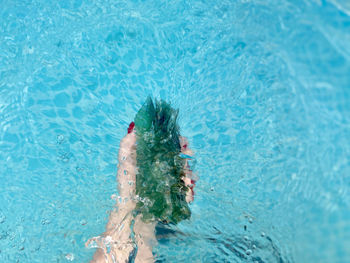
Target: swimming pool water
x,y
263,89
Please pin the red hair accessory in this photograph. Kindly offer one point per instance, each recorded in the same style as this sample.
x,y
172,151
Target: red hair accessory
x,y
131,127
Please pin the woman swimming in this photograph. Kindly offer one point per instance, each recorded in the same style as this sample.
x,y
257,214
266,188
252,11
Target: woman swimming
x,y
155,184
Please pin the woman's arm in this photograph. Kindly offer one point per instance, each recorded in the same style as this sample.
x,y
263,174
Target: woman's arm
x,y
115,244
126,177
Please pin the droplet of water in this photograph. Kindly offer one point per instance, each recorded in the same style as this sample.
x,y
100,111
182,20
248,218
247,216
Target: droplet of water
x,y
246,238
254,246
248,252
125,172
250,220
88,151
83,222
263,234
212,189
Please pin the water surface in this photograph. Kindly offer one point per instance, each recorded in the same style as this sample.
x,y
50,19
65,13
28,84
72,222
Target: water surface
x,y
263,89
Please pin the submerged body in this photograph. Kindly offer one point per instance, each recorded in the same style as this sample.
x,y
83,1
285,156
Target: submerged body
x,y
159,181
155,185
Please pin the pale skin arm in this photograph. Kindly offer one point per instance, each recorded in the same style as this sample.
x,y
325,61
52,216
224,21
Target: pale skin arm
x,y
118,228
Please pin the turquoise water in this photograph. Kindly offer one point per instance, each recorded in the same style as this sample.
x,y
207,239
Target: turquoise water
x,y
263,89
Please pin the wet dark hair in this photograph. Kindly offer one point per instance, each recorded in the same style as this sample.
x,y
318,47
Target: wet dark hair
x,y
159,186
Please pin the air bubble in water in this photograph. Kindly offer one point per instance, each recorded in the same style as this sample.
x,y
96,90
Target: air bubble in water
x,y
79,169
70,256
2,218
45,221
60,138
83,222
125,172
37,247
3,235
248,252
262,234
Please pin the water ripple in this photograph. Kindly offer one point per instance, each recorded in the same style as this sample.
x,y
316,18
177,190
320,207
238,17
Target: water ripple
x,y
262,88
